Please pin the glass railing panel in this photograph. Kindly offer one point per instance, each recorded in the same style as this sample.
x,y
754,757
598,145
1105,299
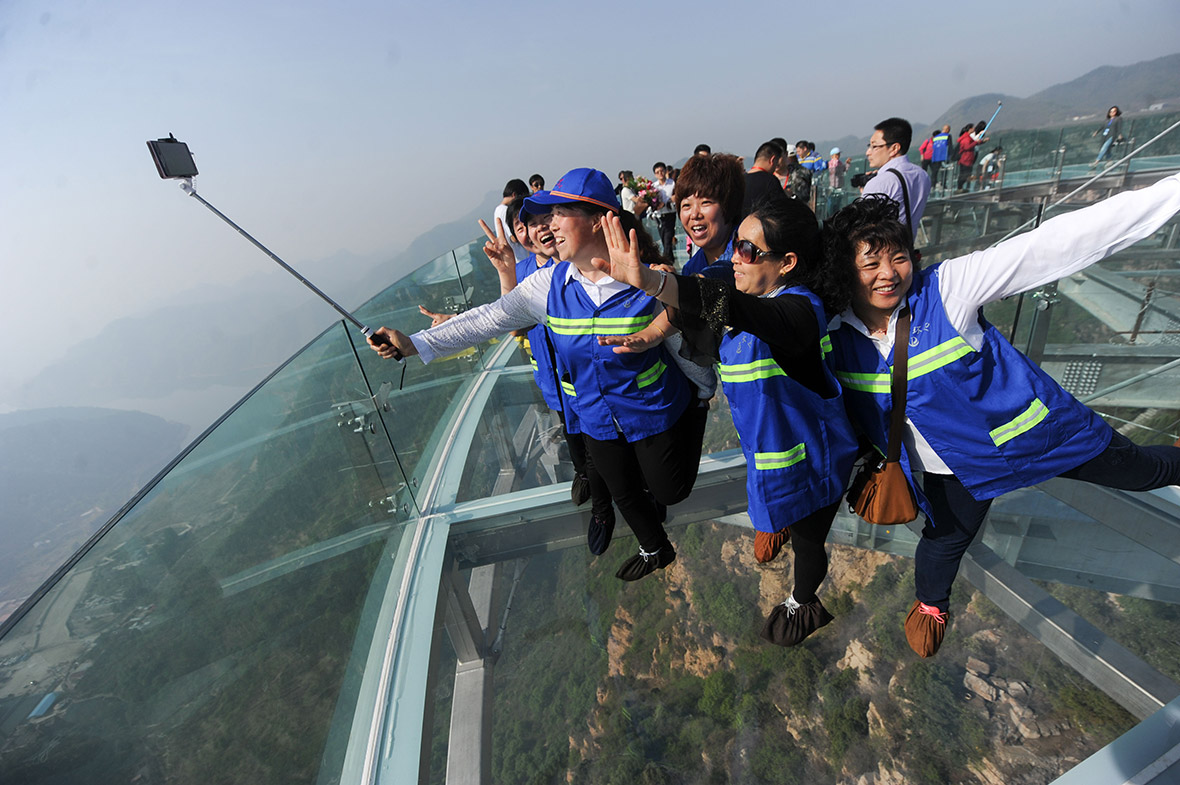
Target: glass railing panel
x,y
419,401
667,680
209,634
518,442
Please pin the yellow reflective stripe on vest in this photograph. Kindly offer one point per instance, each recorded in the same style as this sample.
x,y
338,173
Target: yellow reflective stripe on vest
x,y
750,372
599,325
919,365
780,460
652,374
533,362
568,389
1027,419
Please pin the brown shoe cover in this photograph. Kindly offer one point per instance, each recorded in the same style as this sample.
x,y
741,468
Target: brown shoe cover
x,y
923,632
767,544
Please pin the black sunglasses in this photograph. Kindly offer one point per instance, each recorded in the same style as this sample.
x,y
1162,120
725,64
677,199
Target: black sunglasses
x,y
749,253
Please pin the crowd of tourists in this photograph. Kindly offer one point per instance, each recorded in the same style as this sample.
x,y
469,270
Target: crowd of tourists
x,y
831,344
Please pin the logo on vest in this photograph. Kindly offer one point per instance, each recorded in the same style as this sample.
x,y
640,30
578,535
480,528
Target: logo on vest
x,y
916,333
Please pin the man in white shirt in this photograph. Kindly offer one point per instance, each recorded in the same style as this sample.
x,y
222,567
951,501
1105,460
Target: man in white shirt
x,y
665,213
512,189
896,176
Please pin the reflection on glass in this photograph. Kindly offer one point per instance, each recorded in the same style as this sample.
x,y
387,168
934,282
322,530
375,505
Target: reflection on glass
x,y
666,680
212,628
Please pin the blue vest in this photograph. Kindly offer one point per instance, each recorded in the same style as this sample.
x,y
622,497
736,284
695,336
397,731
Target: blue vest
x,y
537,344
996,419
941,148
721,269
799,447
633,395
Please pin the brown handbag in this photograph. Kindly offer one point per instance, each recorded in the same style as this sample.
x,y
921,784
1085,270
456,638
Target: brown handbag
x,y
880,492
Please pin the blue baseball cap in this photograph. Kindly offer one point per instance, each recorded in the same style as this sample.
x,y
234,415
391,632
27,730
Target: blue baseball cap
x,y
576,185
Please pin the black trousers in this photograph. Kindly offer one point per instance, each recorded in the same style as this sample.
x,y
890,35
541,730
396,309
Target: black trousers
x,y
956,516
809,538
600,498
659,468
667,227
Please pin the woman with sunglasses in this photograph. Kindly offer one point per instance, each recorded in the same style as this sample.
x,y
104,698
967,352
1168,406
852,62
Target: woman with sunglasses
x,y
641,417
768,334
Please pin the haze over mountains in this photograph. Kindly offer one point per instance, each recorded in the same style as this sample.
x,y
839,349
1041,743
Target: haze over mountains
x,y
62,473
1134,88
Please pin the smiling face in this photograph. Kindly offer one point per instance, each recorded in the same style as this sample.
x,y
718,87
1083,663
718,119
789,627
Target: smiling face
x,y
577,237
704,222
758,272
541,236
883,279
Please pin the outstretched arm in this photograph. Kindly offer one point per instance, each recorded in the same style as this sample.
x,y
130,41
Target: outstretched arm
x,y
1061,247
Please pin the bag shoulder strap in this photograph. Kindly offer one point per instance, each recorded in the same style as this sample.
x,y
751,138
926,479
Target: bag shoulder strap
x,y
897,389
905,195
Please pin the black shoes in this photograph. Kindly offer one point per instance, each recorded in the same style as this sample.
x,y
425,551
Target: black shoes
x,y
789,623
600,531
580,490
646,563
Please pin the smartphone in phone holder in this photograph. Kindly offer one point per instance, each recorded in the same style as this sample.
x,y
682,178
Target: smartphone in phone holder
x,y
175,162
173,159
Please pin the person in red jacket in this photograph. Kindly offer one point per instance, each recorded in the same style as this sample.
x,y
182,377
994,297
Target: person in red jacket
x,y
969,138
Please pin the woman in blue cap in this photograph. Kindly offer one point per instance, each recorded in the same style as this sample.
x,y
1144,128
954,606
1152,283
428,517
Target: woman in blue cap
x,y
641,417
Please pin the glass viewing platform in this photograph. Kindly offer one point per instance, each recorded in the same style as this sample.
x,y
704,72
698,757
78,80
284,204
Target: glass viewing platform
x,y
364,574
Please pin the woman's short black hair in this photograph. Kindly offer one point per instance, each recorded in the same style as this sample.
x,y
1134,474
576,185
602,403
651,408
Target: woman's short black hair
x,y
789,226
872,221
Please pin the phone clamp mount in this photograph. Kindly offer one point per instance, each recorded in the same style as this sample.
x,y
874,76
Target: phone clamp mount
x,y
174,161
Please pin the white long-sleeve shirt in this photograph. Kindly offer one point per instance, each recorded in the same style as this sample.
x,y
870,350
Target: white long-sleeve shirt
x,y
1058,248
527,305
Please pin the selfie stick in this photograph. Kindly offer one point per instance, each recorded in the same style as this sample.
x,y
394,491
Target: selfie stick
x,y
999,106
175,162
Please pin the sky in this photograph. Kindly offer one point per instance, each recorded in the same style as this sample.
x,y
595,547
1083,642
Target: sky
x,y
356,126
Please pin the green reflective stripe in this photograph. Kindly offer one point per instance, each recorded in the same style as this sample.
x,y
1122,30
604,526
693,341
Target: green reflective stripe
x,y
651,374
568,388
780,460
599,325
933,359
864,382
533,362
825,345
919,365
1027,419
750,372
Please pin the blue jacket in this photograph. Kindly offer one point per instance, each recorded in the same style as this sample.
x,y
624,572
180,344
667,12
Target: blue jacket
x,y
538,345
698,264
799,446
633,395
941,148
996,419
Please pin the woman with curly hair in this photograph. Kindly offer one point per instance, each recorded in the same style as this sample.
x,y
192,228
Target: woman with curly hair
x,y
981,418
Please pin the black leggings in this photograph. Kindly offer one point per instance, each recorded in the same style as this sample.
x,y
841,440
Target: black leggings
x,y
809,537
600,498
665,464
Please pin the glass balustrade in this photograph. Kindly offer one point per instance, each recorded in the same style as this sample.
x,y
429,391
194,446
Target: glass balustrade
x,y
365,570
